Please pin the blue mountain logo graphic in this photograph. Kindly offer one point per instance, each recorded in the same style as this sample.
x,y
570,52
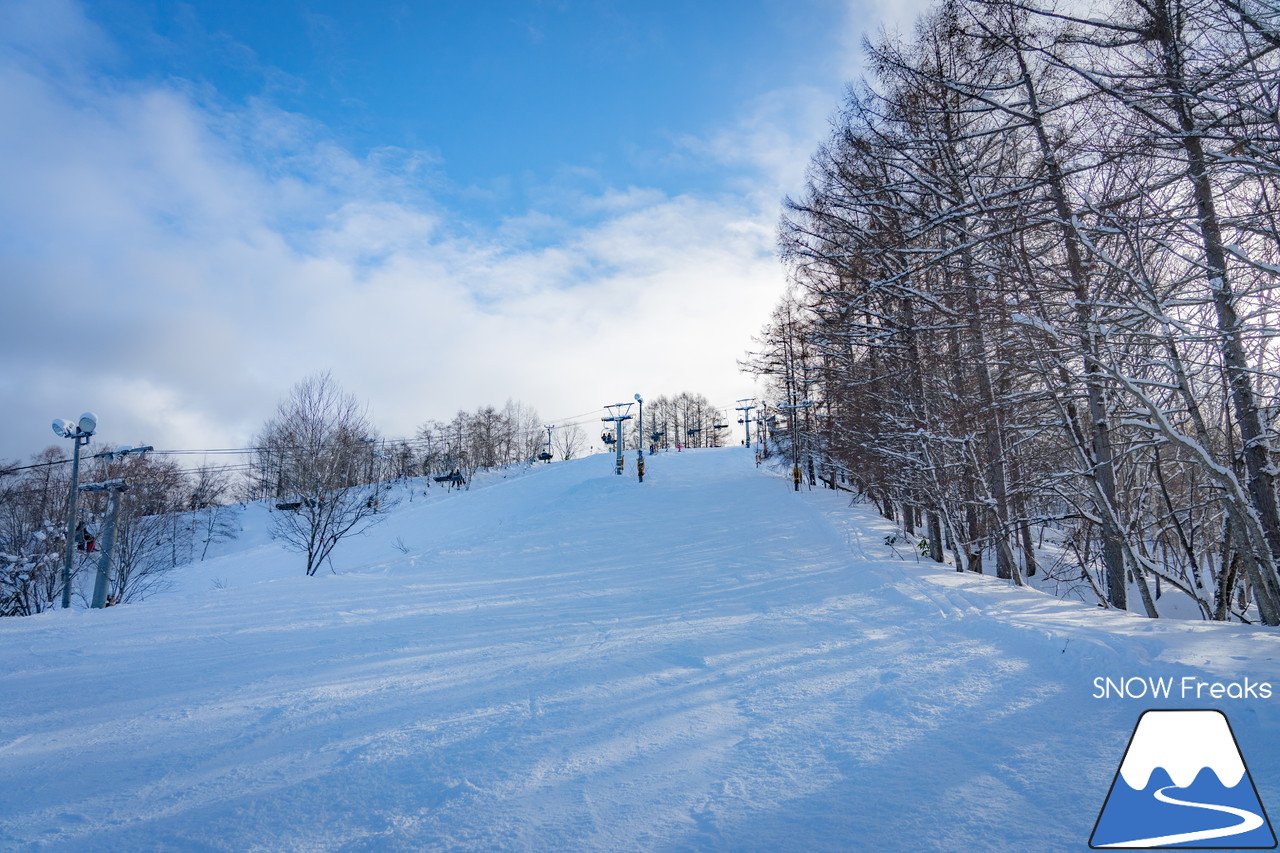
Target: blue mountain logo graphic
x,y
1182,784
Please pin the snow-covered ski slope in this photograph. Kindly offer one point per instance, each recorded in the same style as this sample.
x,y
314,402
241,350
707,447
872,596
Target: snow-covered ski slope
x,y
569,660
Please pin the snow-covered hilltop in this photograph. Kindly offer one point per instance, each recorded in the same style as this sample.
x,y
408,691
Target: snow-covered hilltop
x,y
1183,744
565,659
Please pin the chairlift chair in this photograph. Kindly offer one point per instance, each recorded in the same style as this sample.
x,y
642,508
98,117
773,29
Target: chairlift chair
x,y
85,540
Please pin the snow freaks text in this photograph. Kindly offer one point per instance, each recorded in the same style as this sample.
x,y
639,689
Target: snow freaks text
x,y
1186,687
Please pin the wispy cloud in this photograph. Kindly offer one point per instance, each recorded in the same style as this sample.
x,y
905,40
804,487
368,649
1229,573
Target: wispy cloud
x,y
773,138
869,19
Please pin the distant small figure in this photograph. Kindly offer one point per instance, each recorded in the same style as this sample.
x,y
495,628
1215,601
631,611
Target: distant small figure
x,y
677,447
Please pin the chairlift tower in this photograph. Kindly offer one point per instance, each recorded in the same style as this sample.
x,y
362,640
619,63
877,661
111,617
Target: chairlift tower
x,y
764,423
745,420
115,487
545,455
618,414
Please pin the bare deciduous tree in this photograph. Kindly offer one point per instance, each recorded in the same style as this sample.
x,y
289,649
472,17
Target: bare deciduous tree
x,y
568,441
314,450
1033,286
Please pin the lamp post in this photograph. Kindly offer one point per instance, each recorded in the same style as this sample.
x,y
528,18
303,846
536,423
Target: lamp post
x,y
79,433
640,440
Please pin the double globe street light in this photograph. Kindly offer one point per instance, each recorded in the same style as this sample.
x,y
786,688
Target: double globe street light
x,y
79,432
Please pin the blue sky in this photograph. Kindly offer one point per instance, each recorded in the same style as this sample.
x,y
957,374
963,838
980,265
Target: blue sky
x,y
499,98
447,204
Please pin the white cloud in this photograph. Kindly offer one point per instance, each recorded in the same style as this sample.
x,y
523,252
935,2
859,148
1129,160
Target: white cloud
x,y
176,266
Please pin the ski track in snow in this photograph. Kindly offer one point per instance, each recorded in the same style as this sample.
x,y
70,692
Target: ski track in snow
x,y
567,660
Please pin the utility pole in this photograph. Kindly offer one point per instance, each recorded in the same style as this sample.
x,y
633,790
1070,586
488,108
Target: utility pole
x,y
617,414
806,370
79,433
115,487
369,442
793,427
745,420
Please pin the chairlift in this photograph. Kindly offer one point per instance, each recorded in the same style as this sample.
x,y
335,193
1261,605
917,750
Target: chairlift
x,y
544,456
453,478
608,438
656,435
85,540
294,506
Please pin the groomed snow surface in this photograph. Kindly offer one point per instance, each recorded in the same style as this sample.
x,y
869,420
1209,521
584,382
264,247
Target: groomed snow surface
x,y
564,659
